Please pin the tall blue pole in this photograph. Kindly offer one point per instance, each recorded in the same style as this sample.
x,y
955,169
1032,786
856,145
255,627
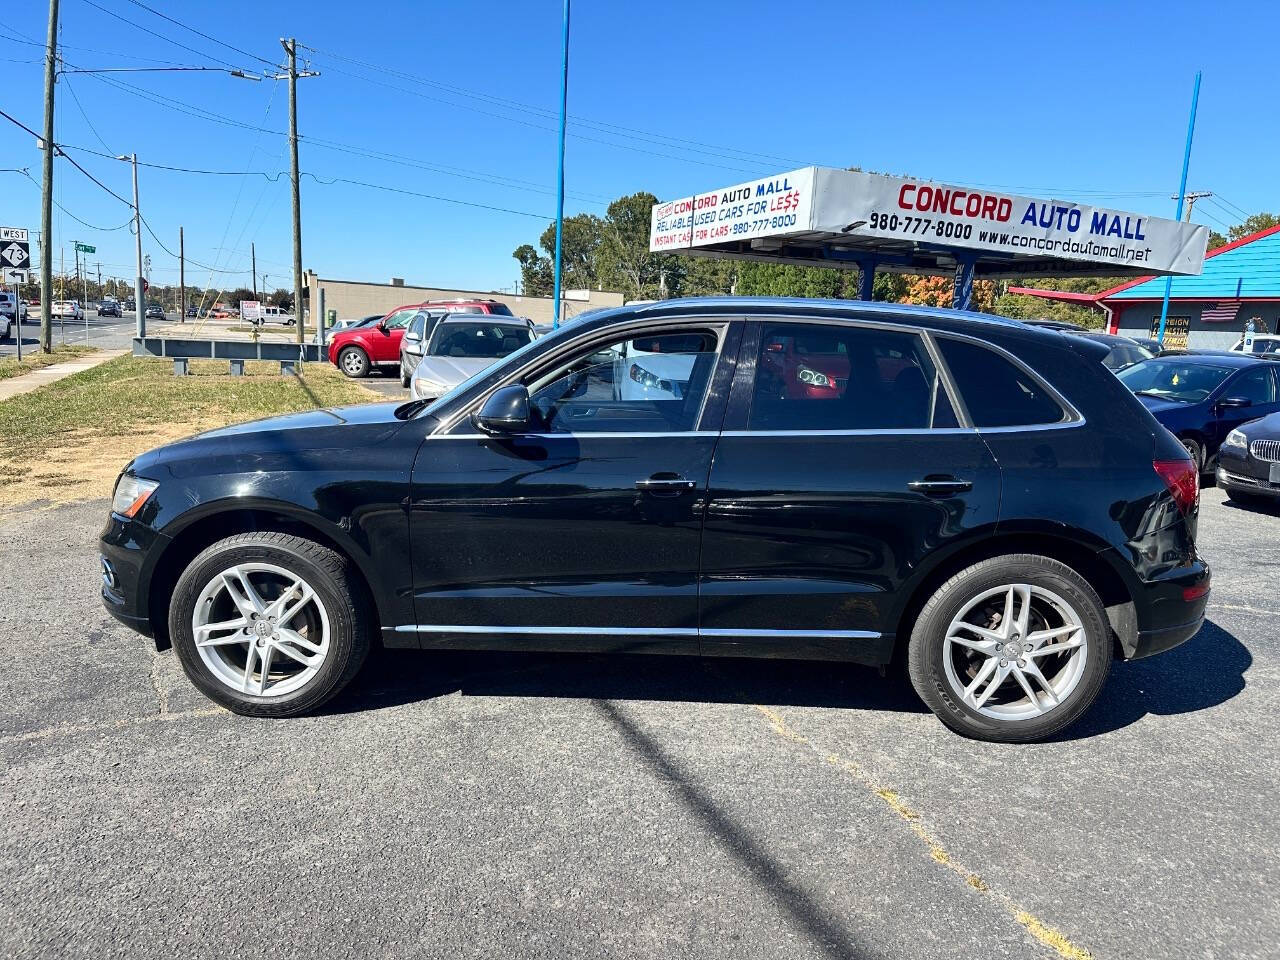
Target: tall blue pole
x,y
1182,196
564,106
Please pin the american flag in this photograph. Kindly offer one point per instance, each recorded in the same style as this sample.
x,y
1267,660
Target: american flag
x,y
1224,312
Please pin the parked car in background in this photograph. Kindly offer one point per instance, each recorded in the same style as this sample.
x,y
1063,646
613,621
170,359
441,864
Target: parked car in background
x,y
415,338
155,311
1121,351
460,347
192,311
978,513
1249,462
109,308
67,310
130,304
12,308
1262,343
1201,397
359,350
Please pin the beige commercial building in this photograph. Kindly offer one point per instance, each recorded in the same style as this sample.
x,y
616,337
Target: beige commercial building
x,y
352,299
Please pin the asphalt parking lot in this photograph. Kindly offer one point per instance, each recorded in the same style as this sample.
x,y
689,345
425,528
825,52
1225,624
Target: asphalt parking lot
x,y
532,805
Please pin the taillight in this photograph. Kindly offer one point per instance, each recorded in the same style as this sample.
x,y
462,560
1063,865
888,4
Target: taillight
x,y
1183,480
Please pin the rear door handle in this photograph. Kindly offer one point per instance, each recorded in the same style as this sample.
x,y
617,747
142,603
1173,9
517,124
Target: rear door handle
x,y
940,486
665,485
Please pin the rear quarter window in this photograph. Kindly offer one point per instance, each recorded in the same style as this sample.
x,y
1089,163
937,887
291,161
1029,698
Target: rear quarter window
x,y
997,391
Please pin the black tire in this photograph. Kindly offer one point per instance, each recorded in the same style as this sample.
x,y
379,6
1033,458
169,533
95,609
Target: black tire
x,y
1194,448
925,655
334,581
354,362
404,377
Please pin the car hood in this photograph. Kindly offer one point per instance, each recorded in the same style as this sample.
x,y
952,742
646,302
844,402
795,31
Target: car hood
x,y
288,443
1158,406
451,371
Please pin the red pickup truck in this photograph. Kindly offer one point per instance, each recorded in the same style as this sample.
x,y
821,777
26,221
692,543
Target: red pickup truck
x,y
358,350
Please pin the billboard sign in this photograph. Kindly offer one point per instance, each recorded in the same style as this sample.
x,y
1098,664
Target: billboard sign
x,y
863,211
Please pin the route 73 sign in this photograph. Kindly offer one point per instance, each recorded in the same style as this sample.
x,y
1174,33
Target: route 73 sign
x,y
15,250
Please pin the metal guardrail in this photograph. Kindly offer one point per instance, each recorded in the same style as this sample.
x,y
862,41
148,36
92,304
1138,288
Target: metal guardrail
x,y
180,350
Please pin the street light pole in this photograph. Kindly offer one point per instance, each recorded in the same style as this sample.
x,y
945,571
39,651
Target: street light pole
x,y
564,106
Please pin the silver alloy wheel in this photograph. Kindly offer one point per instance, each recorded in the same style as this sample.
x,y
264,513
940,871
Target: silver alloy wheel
x,y
261,629
1015,652
352,363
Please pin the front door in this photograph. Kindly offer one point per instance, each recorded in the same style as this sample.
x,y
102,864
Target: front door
x,y
1258,385
842,464
584,532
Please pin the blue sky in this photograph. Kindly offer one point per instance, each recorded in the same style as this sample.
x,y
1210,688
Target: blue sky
x,y
1062,100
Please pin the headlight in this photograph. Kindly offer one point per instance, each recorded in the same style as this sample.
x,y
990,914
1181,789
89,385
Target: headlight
x,y
1236,439
131,493
814,378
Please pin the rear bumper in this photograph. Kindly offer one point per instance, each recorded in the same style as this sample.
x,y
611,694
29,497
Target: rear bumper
x,y
1170,610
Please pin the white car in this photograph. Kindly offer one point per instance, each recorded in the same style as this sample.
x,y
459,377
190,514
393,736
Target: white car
x,y
12,308
459,348
1262,343
67,310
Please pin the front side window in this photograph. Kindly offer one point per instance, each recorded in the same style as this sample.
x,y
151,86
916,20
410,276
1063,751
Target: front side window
x,y
416,326
648,384
832,377
1256,385
480,339
997,392
401,318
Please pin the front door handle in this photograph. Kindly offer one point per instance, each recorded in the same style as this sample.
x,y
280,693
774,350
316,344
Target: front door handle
x,y
665,485
940,486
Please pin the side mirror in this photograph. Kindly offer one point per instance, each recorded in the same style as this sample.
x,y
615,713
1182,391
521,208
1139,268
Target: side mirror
x,y
413,336
382,326
506,411
1235,402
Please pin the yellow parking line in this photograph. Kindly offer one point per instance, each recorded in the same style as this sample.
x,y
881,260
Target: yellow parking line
x,y
1051,937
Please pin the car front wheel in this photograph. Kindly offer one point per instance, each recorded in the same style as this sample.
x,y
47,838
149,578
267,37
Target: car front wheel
x,y
269,624
1195,450
354,362
1011,650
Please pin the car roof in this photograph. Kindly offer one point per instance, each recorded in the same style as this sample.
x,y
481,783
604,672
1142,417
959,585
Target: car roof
x,y
1098,336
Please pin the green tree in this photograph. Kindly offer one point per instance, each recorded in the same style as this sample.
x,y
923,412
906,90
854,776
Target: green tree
x,y
536,278
579,247
625,263
1253,224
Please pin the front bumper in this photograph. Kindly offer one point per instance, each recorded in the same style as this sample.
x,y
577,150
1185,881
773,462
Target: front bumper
x,y
128,550
1237,475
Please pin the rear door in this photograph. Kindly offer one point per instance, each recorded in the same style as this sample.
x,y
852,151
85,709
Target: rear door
x,y
841,465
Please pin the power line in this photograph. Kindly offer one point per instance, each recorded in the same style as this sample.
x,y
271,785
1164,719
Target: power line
x,y
70,160
426,196
158,36
1236,210
79,106
84,223
223,43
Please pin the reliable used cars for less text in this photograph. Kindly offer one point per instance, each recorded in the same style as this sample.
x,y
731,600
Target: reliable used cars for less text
x,y
726,477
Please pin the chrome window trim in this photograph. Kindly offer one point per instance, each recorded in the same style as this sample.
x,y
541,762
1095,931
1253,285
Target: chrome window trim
x,y
607,435
860,432
634,631
717,325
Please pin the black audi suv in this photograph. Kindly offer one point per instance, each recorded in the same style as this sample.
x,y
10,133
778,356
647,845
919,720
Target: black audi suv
x,y
869,483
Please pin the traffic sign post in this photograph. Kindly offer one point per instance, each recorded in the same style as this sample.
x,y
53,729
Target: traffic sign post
x,y
15,260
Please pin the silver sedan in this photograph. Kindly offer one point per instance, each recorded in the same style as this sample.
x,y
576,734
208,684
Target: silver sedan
x,y
459,349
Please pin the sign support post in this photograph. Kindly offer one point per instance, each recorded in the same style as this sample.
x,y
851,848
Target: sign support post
x,y
1182,195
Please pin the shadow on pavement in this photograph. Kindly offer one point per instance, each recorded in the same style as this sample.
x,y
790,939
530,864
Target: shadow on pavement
x,y
1205,671
393,677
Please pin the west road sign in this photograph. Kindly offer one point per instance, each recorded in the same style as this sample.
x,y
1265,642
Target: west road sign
x,y
15,250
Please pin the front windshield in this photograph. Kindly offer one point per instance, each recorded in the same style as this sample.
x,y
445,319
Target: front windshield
x,y
484,340
1173,378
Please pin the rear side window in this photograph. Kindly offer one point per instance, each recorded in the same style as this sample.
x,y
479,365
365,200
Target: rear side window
x,y
831,377
997,392
500,309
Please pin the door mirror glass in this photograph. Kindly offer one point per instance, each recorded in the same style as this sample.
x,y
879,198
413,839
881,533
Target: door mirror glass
x,y
506,411
1233,402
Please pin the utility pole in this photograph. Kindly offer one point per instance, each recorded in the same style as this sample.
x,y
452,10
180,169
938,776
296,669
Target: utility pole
x,y
182,280
139,300
76,255
1192,197
253,256
291,48
46,186
102,292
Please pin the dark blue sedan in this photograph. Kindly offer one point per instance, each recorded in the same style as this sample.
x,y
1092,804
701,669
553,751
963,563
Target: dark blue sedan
x,y
1200,398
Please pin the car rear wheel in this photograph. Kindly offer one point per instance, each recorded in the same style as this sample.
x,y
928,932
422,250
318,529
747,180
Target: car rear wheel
x,y
1195,450
1011,650
269,624
354,362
